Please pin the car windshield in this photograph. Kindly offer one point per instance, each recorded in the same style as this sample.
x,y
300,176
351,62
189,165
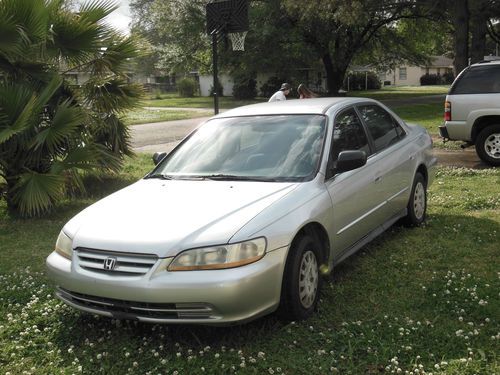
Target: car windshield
x,y
260,148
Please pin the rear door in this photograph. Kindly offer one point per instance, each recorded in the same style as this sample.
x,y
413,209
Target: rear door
x,y
392,161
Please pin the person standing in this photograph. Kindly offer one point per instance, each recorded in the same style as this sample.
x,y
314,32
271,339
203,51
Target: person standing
x,y
305,93
282,93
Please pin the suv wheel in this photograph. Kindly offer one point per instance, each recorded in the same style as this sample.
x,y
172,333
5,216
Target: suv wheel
x,y
488,145
301,280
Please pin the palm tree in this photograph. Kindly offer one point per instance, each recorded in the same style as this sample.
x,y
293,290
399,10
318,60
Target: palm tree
x,y
51,130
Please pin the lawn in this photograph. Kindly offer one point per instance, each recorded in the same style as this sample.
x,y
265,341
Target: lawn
x,y
145,115
401,92
174,100
423,300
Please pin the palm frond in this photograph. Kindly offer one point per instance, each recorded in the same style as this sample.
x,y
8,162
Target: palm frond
x,y
35,192
66,120
77,41
18,105
95,10
112,94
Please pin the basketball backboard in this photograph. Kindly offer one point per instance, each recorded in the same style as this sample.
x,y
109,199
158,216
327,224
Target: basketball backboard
x,y
227,16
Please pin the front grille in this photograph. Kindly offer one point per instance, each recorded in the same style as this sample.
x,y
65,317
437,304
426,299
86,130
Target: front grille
x,y
136,310
124,264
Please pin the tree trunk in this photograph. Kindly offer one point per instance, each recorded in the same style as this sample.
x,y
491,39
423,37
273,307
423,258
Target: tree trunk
x,y
460,18
334,75
479,28
12,206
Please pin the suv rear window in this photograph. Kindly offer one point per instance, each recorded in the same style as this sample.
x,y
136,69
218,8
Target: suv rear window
x,y
478,80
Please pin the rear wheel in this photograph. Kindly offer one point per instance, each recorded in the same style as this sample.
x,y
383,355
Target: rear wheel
x,y
417,205
488,145
301,280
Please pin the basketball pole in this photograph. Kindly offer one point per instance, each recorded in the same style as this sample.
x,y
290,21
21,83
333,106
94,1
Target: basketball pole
x,y
215,71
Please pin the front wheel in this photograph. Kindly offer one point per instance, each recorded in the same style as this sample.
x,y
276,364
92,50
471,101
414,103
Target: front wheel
x,y
301,280
417,205
488,145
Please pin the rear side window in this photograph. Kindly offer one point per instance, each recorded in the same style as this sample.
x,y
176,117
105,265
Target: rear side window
x,y
478,80
381,125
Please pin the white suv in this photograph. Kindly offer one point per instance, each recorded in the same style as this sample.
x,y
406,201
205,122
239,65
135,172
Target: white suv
x,y
472,110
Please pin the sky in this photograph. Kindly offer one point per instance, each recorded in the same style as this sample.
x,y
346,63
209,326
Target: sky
x,y
120,18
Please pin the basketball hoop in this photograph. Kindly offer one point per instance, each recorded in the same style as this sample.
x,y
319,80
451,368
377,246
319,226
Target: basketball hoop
x,y
238,40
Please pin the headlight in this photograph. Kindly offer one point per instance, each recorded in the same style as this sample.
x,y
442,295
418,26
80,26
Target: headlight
x,y
64,245
220,257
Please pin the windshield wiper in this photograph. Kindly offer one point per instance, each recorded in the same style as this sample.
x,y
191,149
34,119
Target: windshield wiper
x,y
160,176
230,177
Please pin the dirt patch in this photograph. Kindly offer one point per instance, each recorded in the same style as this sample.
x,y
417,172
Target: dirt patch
x,y
466,158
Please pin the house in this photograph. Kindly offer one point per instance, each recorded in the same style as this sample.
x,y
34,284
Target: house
x,y
409,75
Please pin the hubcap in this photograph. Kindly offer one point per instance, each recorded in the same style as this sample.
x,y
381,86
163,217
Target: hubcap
x,y
308,279
419,201
492,146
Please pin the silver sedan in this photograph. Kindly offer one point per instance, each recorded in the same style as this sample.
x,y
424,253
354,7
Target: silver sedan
x,y
244,216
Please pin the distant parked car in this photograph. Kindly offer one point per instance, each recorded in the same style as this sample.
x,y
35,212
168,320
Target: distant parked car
x,y
246,213
472,110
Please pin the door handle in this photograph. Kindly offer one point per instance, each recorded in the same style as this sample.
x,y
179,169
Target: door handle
x,y
378,179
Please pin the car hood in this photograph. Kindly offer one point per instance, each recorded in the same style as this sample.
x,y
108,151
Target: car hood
x,y
164,217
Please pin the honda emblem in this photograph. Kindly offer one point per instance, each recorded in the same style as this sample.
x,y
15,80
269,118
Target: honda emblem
x,y
109,263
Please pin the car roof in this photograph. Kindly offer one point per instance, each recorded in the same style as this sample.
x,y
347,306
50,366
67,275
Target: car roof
x,y
489,62
293,106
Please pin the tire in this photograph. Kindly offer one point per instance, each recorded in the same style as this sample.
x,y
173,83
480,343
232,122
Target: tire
x,y
488,145
301,280
417,204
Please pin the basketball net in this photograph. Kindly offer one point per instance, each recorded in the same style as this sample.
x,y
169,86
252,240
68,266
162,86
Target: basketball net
x,y
238,40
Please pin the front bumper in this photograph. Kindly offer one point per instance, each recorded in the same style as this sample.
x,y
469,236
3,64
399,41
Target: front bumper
x,y
197,297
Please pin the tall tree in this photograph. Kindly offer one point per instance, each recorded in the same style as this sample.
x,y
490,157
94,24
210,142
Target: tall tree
x,y
339,30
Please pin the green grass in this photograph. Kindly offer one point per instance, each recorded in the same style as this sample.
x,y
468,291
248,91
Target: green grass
x,y
424,297
144,116
173,100
399,92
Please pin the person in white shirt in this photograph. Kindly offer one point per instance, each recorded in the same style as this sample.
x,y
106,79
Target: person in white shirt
x,y
282,93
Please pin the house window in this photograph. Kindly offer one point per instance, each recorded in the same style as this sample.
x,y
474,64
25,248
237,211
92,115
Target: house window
x,y
402,74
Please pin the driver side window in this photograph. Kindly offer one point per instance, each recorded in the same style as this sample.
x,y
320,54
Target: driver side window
x,y
348,134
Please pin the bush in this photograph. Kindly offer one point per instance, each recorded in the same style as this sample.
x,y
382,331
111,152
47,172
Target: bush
x,y
186,87
430,79
448,78
244,88
220,90
272,85
357,81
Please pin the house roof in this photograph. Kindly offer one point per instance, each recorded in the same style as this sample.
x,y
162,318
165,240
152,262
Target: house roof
x,y
440,61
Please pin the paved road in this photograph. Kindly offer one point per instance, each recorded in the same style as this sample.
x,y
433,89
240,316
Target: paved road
x,y
162,136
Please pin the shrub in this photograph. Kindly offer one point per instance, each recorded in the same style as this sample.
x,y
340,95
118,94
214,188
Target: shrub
x,y
430,79
244,88
220,90
357,81
448,78
186,87
51,130
272,85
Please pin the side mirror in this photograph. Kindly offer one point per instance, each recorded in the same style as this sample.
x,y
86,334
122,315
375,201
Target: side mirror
x,y
158,156
349,160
